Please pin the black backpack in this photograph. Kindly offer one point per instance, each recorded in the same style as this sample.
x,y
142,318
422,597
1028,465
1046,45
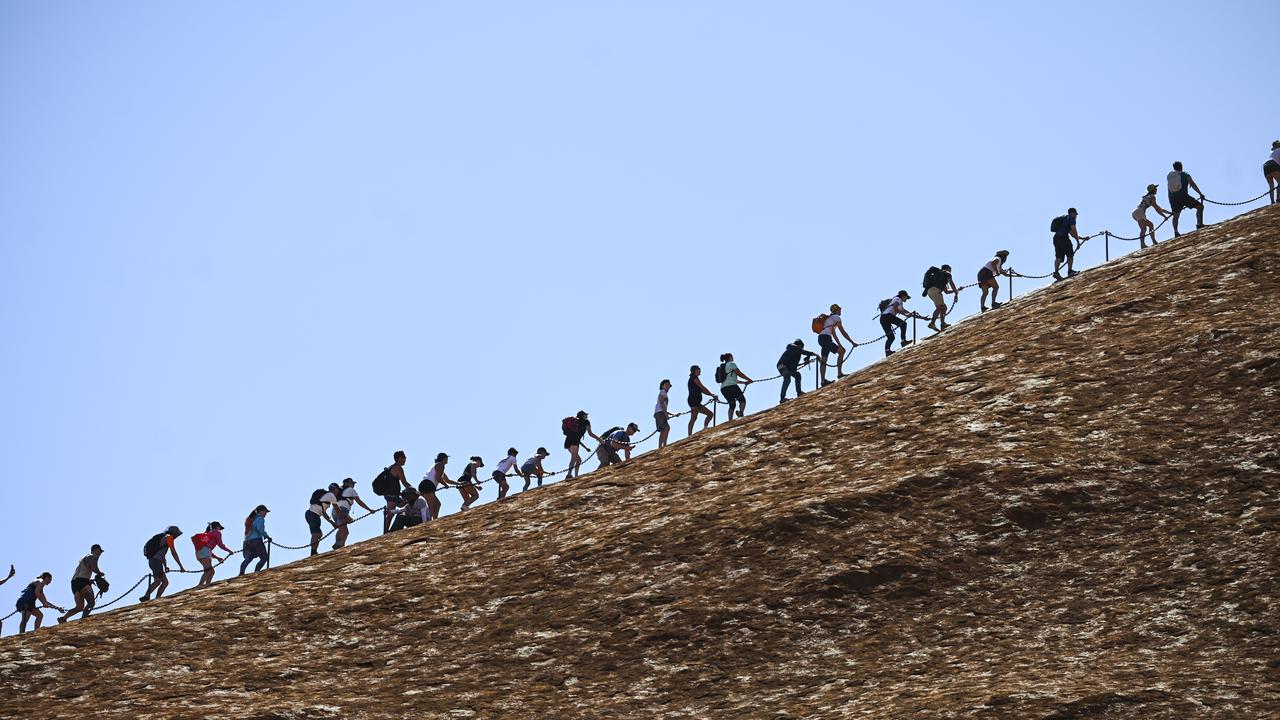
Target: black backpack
x,y
1059,224
385,483
721,374
884,304
154,545
609,432
317,494
934,277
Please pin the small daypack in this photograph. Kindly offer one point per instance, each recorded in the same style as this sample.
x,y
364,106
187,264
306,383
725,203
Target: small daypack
x,y
721,374
154,545
385,483
934,277
1059,224
820,323
884,304
569,426
316,495
609,432
200,540
103,585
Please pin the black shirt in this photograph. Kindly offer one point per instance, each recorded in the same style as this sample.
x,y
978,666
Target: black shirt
x,y
791,356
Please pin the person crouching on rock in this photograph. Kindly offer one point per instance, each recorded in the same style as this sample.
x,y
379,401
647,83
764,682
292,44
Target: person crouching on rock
x,y
615,440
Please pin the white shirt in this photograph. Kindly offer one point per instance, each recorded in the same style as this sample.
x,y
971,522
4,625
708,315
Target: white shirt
x,y
506,464
894,307
828,325
661,407
730,374
993,265
328,497
432,475
1275,155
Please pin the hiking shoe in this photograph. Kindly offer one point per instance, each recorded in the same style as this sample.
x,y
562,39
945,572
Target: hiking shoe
x,y
905,343
1200,225
887,353
1056,276
932,327
1073,273
781,400
995,304
826,382
983,310
945,326
799,392
144,598
61,620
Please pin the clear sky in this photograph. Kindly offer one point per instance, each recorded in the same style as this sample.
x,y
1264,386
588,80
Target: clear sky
x,y
252,248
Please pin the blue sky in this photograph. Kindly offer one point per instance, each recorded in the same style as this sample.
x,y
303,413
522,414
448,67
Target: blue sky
x,y
249,249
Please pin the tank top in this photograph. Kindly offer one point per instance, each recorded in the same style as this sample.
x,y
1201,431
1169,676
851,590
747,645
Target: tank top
x,y
1145,202
82,570
695,392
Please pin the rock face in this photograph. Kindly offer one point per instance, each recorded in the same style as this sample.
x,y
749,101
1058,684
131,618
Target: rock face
x,y
1065,508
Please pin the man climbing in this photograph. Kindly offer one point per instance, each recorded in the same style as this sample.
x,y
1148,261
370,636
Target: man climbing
x,y
82,583
889,311
789,367
1180,187
829,343
938,280
155,551
1064,228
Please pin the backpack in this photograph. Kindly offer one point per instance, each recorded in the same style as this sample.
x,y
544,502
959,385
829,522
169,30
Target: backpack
x,y
609,432
884,304
569,426
721,374
1059,224
385,483
316,495
153,546
819,323
934,277
28,595
103,585
200,540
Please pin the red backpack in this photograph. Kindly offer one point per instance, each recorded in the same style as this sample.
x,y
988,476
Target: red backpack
x,y
200,540
569,426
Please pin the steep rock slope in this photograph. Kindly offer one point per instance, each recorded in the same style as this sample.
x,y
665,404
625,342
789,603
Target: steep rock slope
x,y
1066,508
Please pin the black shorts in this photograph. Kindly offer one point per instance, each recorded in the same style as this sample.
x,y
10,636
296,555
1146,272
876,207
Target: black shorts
x,y
695,401
1182,200
156,566
828,345
498,476
78,584
427,486
313,522
1062,247
985,275
732,393
25,605
1270,167
466,480
570,441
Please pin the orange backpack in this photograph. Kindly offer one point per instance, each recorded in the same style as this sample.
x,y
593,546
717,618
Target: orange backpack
x,y
820,322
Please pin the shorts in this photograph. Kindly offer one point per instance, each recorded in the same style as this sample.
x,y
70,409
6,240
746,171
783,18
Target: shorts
x,y
1139,215
157,567
392,500
528,468
1180,200
569,442
427,487
828,345
695,401
204,553
24,605
660,419
733,393
1062,248
466,480
1270,167
985,275
313,522
342,515
608,456
254,549
935,294
78,584
499,476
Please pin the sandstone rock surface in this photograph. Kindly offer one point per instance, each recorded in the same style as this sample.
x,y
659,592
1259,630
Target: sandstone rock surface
x,y
1066,508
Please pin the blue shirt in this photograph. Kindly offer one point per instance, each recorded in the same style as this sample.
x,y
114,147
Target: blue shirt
x,y
259,531
620,438
1068,222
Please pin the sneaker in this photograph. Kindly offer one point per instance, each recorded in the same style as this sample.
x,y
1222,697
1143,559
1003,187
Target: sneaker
x,y
144,598
983,310
1200,225
995,304
932,327
799,393
887,353
781,400
1056,276
826,382
945,326
905,343
1073,273
61,620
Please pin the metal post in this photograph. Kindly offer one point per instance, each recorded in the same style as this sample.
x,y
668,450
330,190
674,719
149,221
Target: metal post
x,y
1010,289
715,412
913,329
1106,238
269,544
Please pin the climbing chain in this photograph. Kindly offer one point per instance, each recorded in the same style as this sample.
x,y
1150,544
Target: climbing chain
x,y
104,606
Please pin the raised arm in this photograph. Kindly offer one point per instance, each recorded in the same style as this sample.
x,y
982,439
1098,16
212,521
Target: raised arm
x,y
1192,183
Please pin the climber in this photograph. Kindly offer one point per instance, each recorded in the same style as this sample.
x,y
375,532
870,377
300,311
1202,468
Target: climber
x,y
504,466
1180,187
938,280
1271,171
828,326
729,375
433,480
987,278
415,512
388,485
533,466
789,367
661,417
205,543
348,497
27,601
1063,228
890,309
255,539
155,550
615,440
576,428
1145,226
696,392
82,584
321,501
467,482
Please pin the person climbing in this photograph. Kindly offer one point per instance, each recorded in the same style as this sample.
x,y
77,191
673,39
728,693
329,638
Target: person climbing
x,y
729,376
82,584
575,429
614,440
467,482
661,416
388,485
696,392
1145,226
533,466
415,511
789,367
347,498
433,480
937,281
1271,171
504,467
155,550
1180,187
828,326
1063,228
321,501
205,543
987,278
889,311
33,593
255,539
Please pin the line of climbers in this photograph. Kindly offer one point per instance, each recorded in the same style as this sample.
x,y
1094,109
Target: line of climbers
x,y
407,506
